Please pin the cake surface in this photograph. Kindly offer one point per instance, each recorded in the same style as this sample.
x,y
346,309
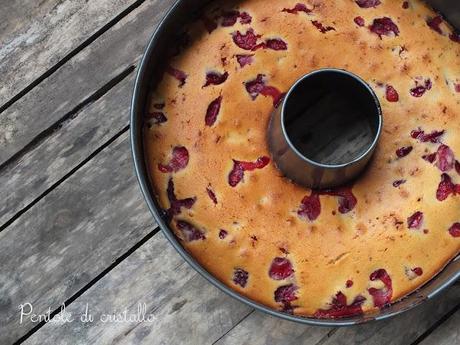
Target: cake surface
x,y
326,254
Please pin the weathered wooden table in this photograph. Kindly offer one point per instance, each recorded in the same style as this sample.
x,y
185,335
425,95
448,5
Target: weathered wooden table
x,y
74,228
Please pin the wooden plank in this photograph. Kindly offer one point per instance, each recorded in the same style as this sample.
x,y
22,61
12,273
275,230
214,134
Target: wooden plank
x,y
27,179
16,16
77,80
71,236
40,33
261,329
187,309
447,334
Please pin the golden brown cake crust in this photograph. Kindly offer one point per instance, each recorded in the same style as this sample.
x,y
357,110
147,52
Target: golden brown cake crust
x,y
383,237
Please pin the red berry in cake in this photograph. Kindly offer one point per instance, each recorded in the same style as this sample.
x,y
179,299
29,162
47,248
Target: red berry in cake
x,y
420,89
339,307
281,268
275,44
258,86
397,183
212,111
454,230
274,93
434,24
430,157
418,271
310,206
445,188
299,7
413,273
189,232
245,18
179,75
222,234
432,137
229,18
178,161
415,221
391,94
254,87
215,78
247,41
240,277
417,91
417,134
286,293
381,274
236,175
244,60
349,283
211,194
403,151
323,29
446,158
359,21
405,5
260,163
347,201
457,167
239,167
177,204
368,3
384,27
382,296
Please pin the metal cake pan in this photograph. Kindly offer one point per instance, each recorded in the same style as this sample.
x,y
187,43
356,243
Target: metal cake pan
x,y
168,31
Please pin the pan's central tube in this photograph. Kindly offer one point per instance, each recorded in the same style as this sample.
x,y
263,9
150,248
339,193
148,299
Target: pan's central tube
x,y
326,130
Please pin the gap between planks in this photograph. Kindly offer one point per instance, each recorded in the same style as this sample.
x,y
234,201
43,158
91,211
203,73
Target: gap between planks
x,y
43,135
89,285
442,320
69,115
70,55
236,324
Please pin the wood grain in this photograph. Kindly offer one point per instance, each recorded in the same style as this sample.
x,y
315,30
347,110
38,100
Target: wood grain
x,y
16,16
187,309
77,81
27,179
261,329
70,236
447,334
40,33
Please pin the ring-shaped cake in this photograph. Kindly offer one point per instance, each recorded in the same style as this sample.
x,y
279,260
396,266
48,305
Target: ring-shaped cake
x,y
330,253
